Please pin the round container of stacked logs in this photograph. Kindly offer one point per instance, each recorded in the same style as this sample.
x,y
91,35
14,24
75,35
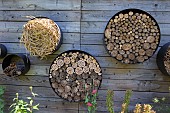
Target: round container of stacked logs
x,y
41,36
15,64
74,73
3,51
132,36
163,59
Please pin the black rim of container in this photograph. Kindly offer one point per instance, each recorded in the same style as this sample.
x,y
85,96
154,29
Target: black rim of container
x,y
160,58
135,11
69,52
3,51
7,60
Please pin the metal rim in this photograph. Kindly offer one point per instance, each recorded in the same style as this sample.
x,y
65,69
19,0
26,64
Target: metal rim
x,y
3,51
7,60
160,58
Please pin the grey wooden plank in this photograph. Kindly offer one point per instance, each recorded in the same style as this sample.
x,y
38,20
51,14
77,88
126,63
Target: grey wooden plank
x,y
160,17
99,27
134,74
19,48
136,85
54,15
17,26
108,73
68,38
40,5
147,5
97,39
48,93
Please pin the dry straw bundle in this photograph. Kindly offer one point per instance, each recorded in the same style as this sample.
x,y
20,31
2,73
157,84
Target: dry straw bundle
x,y
41,36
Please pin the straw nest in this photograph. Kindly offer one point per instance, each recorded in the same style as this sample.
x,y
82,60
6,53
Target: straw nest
x,y
41,36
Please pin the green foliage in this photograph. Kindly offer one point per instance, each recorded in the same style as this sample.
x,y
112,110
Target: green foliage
x,y
161,105
127,97
1,99
21,106
91,102
109,101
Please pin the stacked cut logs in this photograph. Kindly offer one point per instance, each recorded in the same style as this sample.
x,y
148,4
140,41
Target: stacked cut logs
x,y
167,60
73,74
132,37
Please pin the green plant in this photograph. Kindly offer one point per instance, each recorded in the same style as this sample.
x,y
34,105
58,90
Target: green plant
x,y
90,101
126,101
1,99
110,102
160,104
146,108
21,106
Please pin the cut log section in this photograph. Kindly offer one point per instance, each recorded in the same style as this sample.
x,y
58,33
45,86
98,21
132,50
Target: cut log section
x,y
132,36
73,74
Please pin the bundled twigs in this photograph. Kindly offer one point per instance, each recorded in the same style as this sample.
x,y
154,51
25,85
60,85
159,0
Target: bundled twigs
x,y
72,73
41,36
167,60
132,36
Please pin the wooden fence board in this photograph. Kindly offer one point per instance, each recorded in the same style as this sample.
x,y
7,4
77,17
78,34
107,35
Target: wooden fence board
x,y
17,26
160,17
64,16
148,5
19,48
40,5
68,38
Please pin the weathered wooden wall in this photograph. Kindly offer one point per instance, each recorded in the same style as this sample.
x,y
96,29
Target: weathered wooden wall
x,y
82,23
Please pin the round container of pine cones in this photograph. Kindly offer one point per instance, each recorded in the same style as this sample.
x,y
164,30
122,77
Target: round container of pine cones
x,y
74,73
15,64
132,36
163,59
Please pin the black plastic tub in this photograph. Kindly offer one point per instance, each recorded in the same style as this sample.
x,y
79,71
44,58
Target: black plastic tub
x,y
23,60
59,56
161,57
3,51
134,11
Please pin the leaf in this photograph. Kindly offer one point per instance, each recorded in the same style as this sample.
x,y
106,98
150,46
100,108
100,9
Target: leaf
x,y
29,109
36,107
31,101
29,98
12,105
